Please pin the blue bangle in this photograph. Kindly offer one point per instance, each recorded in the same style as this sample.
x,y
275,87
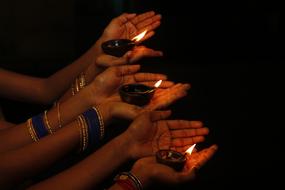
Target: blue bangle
x,y
92,121
39,126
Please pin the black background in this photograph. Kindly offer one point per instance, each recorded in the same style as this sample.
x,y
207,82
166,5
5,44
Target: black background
x,y
230,52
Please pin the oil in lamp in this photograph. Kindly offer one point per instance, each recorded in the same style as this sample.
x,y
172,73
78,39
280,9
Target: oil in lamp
x,y
138,94
173,159
118,47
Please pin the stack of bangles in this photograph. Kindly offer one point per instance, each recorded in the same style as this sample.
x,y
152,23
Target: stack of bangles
x,y
128,181
78,84
90,123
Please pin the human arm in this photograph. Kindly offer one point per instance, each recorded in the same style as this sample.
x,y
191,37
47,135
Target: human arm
x,y
91,171
96,93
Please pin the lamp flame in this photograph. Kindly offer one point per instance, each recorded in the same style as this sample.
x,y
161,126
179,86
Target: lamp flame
x,y
158,83
139,37
189,150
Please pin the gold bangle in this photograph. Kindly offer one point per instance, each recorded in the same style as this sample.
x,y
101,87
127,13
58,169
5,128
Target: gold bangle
x,y
72,89
32,130
58,115
80,135
47,123
82,81
84,132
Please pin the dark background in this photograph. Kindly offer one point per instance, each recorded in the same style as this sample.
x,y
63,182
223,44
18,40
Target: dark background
x,y
231,53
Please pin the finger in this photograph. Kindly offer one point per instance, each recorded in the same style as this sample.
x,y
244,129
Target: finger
x,y
182,133
164,84
147,36
181,149
177,89
187,141
148,21
150,28
143,77
205,155
123,18
168,96
108,60
143,16
159,115
127,69
142,52
183,124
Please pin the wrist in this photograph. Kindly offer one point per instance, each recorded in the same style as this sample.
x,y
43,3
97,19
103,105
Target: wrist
x,y
142,175
127,146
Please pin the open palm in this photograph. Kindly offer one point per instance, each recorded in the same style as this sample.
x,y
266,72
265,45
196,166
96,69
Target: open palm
x,y
128,26
150,133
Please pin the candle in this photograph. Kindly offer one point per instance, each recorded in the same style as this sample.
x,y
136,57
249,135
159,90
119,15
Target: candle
x,y
174,159
138,94
118,47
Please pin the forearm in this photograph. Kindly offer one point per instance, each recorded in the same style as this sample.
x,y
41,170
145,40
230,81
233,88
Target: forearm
x,y
25,162
70,72
90,69
93,170
68,111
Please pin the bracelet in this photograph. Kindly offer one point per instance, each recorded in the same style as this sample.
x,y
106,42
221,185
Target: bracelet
x,y
128,177
78,84
39,126
58,115
83,130
32,130
101,122
47,123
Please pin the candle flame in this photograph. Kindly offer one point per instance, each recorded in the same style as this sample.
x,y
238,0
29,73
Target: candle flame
x,y
189,150
158,83
139,37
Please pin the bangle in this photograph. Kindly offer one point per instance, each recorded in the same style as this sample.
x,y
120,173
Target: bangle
x,y
58,115
101,122
39,126
32,130
84,141
127,177
82,81
47,123
78,84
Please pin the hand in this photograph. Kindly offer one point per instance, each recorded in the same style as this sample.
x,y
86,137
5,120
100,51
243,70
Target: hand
x,y
165,97
149,133
133,56
115,108
128,26
107,83
104,61
149,171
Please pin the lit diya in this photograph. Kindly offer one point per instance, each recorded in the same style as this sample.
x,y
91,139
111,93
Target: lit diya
x,y
118,47
138,94
173,159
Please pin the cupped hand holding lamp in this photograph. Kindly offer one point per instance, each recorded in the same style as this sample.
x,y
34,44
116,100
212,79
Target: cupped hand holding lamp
x,y
148,133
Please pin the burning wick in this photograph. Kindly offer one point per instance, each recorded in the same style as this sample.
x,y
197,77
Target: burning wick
x,y
190,149
157,84
140,36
